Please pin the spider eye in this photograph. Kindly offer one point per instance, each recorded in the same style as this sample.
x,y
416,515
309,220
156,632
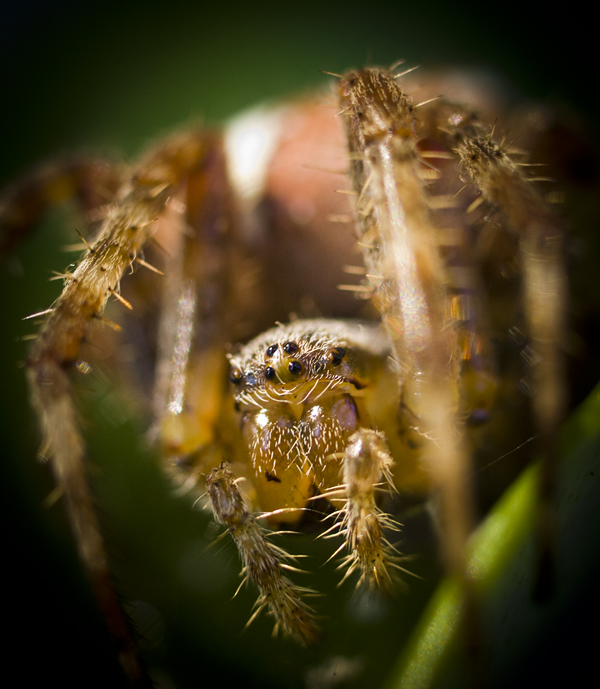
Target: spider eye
x,y
236,377
290,347
295,367
271,350
337,355
269,373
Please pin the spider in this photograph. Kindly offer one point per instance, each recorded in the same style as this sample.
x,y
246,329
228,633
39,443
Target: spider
x,y
324,420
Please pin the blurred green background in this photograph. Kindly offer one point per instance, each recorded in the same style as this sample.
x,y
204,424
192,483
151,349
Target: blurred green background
x,y
106,78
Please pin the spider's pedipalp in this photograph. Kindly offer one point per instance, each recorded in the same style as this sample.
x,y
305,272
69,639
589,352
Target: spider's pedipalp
x,y
365,463
262,561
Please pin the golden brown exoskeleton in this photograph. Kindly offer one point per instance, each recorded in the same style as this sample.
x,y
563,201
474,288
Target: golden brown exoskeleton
x,y
322,415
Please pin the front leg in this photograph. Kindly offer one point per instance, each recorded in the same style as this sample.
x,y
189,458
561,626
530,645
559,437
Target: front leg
x,y
143,197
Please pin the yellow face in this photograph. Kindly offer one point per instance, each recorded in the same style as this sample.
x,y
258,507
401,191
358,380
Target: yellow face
x,y
300,390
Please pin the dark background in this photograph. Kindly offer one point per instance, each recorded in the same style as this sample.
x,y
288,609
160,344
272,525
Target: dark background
x,y
107,77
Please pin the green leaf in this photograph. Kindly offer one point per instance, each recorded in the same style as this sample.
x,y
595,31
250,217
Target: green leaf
x,y
502,564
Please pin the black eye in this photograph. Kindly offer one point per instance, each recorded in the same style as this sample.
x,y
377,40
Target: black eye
x,y
337,355
269,373
290,347
295,367
236,377
271,350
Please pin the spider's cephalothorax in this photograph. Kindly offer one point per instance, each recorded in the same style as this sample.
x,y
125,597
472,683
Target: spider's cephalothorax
x,y
308,397
324,410
302,392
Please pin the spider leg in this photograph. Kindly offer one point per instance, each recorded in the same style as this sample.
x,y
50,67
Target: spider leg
x,y
263,562
504,185
91,182
200,302
397,235
126,227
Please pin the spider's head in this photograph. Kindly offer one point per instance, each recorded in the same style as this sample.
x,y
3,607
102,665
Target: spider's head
x,y
306,360
297,362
